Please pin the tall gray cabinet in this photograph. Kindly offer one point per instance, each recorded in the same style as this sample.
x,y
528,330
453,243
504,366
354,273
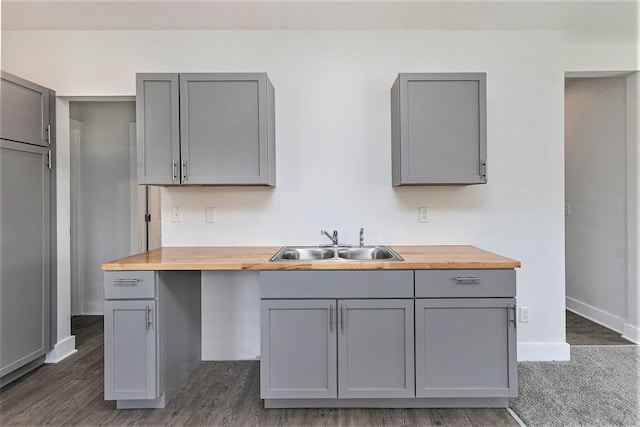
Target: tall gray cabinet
x,y
26,238
205,129
439,129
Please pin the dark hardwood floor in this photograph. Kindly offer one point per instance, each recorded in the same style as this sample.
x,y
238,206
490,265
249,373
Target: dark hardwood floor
x,y
217,394
581,331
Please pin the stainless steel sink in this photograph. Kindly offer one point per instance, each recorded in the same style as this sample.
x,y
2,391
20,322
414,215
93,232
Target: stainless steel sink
x,y
315,253
369,253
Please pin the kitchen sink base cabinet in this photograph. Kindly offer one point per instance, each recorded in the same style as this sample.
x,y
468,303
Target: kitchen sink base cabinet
x,y
388,339
152,335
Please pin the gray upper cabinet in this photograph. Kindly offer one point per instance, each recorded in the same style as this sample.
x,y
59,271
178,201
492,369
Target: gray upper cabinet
x,y
158,129
206,129
438,124
25,111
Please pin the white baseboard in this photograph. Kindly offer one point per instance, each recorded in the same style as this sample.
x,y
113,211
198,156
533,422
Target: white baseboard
x,y
91,308
543,351
604,318
62,350
631,333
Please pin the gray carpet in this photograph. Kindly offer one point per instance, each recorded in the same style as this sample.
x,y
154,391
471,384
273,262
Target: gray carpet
x,y
598,387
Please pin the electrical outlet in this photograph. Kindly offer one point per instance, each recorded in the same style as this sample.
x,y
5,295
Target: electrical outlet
x,y
423,214
211,214
524,314
176,214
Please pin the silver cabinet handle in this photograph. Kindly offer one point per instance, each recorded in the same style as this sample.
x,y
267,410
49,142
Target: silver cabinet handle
x,y
331,318
49,135
184,170
149,317
512,310
123,281
175,173
468,279
342,318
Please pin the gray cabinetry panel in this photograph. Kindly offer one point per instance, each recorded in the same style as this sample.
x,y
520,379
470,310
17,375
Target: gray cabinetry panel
x,y
465,283
129,284
439,128
298,349
375,348
24,255
466,348
206,129
130,360
158,128
337,284
24,111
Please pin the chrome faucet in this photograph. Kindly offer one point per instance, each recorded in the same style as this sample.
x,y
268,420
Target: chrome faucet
x,y
334,238
362,237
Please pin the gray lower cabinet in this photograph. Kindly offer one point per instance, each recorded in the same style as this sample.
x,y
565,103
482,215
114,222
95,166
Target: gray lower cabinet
x,y
25,258
131,352
205,129
375,348
337,348
438,123
152,335
466,347
298,349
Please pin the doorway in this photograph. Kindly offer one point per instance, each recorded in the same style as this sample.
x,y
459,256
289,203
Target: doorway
x,y
109,211
596,228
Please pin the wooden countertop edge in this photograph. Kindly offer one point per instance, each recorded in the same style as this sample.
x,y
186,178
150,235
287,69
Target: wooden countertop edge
x,y
254,258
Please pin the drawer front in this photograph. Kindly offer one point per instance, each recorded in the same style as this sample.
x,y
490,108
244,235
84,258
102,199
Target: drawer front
x,y
337,284
465,283
129,285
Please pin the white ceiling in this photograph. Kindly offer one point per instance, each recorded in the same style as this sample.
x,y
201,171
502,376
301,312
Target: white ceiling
x,y
584,21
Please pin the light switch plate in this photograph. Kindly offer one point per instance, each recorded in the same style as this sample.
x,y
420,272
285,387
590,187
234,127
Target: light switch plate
x,y
423,214
211,214
176,214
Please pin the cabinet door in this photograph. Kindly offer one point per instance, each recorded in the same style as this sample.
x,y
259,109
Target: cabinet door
x,y
439,128
375,348
130,350
24,111
466,348
224,129
24,255
158,129
298,349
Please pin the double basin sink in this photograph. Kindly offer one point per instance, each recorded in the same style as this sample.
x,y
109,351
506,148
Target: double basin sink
x,y
336,253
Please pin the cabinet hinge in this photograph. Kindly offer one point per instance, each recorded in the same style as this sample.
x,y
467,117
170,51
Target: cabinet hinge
x,y
147,217
49,159
483,169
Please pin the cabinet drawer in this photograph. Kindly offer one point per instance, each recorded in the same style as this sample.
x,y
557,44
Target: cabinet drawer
x,y
465,283
129,285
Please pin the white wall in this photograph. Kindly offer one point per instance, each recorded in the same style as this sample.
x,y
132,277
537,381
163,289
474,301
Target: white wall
x,y
333,147
596,193
631,328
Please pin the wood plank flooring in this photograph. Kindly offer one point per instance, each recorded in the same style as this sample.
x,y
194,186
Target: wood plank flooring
x,y
581,331
216,394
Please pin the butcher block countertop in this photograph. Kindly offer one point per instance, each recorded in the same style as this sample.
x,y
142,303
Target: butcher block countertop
x,y
257,258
